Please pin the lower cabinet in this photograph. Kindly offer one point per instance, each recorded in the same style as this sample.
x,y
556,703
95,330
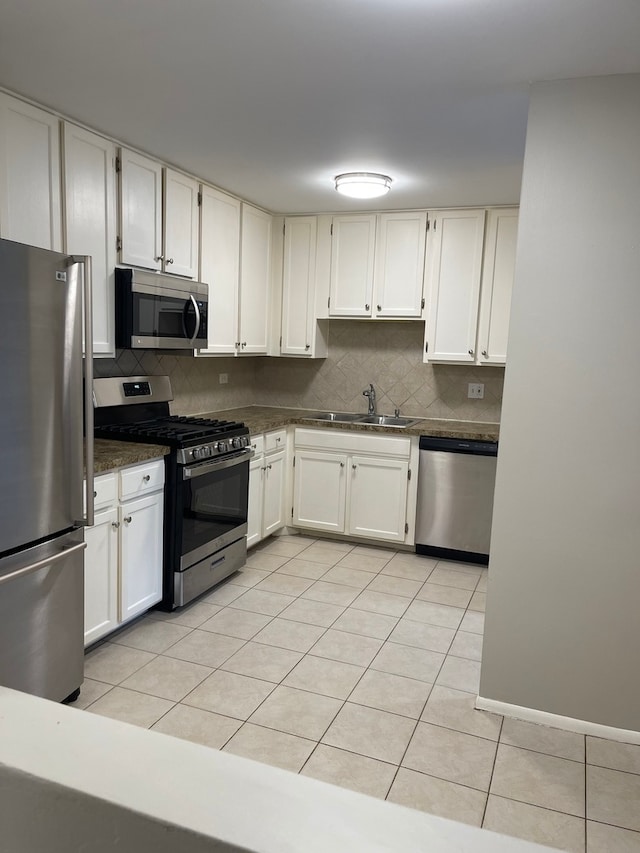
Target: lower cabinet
x,y
358,484
123,558
267,482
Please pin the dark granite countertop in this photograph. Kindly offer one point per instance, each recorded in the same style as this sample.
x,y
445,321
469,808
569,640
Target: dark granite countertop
x,y
118,454
261,419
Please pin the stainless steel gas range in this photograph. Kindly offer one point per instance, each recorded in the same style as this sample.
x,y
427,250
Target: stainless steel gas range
x,y
206,481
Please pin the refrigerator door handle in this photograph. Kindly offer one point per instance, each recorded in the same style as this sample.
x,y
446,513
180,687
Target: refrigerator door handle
x,y
41,564
85,261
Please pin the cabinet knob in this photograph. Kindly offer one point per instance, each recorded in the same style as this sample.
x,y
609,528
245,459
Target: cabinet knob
x,y
237,344
470,352
244,343
128,519
278,439
379,307
485,353
307,346
342,464
95,494
169,261
367,307
160,258
146,478
354,467
269,467
115,524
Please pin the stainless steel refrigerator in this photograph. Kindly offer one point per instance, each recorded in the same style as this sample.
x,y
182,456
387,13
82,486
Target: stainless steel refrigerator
x,y
42,407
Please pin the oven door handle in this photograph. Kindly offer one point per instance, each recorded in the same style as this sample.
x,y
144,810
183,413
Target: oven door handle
x,y
189,473
191,301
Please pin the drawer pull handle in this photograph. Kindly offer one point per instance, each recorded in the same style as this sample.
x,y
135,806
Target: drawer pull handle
x,y
128,519
146,478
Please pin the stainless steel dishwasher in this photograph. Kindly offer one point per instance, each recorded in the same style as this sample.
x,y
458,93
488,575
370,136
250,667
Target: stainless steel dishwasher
x,y
456,480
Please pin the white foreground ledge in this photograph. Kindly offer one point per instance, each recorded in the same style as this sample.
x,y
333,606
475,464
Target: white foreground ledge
x,y
71,781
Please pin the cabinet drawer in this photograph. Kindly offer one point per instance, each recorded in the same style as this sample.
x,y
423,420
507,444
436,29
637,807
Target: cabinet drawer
x,y
275,440
257,444
105,491
141,479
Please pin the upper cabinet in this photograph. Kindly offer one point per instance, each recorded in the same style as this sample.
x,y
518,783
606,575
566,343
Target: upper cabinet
x,y
30,209
303,334
154,235
180,224
90,221
219,268
454,264
377,265
497,283
469,299
255,281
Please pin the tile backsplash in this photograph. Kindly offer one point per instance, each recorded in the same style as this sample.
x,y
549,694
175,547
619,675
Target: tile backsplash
x,y
387,354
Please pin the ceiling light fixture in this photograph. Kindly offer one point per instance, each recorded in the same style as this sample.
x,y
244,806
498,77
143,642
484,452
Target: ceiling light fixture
x,y
363,184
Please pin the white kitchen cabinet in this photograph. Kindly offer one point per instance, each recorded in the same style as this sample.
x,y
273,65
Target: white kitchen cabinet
x,y
377,505
303,334
255,280
140,211
356,483
497,283
140,554
123,559
220,267
377,265
159,229
352,258
399,264
267,485
320,489
181,224
30,210
454,264
90,222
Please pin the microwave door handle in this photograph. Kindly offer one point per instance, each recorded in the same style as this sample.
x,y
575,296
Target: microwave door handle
x,y
191,301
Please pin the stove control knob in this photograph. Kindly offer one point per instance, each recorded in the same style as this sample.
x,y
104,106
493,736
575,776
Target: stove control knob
x,y
236,443
222,446
197,453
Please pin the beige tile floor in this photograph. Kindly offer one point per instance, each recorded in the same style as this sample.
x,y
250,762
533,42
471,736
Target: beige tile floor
x,y
359,666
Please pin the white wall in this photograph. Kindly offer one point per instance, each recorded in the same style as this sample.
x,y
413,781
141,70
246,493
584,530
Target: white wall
x,y
563,618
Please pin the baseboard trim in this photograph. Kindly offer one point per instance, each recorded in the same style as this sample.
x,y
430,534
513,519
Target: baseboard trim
x,y
544,718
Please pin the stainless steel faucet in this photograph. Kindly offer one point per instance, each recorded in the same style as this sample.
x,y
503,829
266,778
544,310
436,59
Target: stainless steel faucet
x,y
370,392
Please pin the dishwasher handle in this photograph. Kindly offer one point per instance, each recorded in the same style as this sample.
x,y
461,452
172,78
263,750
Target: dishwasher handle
x,y
473,447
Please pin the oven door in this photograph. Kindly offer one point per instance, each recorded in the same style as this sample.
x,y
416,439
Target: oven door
x,y
213,505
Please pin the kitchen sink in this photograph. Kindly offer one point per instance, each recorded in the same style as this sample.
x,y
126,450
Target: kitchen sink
x,y
355,418
338,417
388,421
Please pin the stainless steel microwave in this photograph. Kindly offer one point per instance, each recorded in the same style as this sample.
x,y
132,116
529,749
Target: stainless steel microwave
x,y
155,311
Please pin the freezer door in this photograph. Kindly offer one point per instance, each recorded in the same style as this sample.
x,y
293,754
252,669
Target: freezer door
x,y
42,618
41,388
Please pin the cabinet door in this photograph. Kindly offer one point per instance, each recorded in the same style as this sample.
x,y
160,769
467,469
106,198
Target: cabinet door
x,y
399,265
377,498
319,491
298,285
220,267
90,222
140,210
273,517
140,554
497,283
180,224
101,576
454,259
255,274
30,209
352,256
254,511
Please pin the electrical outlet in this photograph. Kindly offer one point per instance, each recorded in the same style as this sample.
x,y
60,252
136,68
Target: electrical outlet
x,y
223,378
476,391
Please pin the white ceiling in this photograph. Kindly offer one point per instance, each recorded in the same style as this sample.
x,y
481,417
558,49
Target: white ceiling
x,y
272,98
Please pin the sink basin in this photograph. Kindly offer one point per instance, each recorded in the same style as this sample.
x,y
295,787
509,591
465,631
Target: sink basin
x,y
387,420
338,417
